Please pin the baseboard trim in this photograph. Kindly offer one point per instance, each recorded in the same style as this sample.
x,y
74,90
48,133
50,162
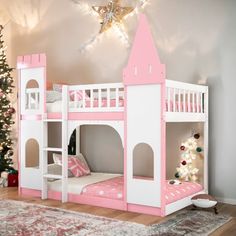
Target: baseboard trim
x,y
226,200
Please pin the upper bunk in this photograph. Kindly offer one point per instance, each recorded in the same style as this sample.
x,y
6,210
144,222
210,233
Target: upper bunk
x,y
180,102
184,102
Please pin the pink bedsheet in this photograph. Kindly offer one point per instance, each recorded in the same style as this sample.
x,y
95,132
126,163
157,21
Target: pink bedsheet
x,y
179,107
177,192
113,189
121,104
104,103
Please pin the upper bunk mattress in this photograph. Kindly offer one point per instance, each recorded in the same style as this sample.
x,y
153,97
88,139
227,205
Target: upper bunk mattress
x,y
57,105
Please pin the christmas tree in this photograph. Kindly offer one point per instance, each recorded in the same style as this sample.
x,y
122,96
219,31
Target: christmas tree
x,y
6,110
190,151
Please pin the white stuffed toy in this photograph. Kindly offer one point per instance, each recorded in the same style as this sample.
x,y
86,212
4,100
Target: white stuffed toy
x,y
174,182
3,182
3,179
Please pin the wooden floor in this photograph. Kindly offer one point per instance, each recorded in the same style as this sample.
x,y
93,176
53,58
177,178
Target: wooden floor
x,y
226,230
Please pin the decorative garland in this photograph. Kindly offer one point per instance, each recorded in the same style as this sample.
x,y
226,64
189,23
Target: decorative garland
x,y
190,151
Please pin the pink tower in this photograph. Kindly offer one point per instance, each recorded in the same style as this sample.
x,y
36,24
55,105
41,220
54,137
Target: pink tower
x,y
144,80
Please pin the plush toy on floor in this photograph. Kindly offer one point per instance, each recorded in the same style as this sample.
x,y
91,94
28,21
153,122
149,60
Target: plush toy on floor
x,y
204,201
174,182
3,179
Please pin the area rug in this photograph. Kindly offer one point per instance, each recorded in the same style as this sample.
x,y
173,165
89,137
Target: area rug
x,y
191,223
24,219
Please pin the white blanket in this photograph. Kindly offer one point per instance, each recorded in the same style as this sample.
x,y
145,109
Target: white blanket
x,y
57,106
76,185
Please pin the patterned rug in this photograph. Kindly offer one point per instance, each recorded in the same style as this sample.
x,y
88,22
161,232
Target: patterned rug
x,y
24,219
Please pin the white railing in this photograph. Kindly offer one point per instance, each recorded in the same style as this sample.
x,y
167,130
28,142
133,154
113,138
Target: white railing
x,y
96,98
180,98
32,100
185,97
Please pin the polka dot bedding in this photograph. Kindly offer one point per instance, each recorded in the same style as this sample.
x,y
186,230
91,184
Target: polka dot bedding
x,y
113,189
177,192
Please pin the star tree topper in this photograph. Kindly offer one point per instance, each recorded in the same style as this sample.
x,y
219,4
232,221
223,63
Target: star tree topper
x,y
112,13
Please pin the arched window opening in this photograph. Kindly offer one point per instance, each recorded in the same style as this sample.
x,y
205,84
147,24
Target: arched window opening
x,y
32,84
143,162
32,95
32,154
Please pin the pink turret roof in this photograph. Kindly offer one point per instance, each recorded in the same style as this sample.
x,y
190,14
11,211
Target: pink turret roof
x,y
144,65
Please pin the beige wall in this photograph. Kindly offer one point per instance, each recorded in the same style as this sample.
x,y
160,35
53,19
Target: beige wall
x,y
102,147
195,39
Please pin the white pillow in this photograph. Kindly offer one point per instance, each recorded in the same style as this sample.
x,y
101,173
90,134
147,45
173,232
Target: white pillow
x,y
55,169
53,96
57,87
57,158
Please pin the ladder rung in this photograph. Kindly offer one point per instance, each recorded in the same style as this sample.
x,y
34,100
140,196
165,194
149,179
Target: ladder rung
x,y
50,149
50,176
52,120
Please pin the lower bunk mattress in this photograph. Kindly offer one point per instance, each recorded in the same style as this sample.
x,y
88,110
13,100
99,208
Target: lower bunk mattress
x,y
112,185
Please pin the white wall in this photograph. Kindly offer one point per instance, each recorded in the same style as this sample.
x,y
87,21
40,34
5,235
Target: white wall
x,y
195,39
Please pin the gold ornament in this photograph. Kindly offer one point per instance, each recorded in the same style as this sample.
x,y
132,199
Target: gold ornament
x,y
112,13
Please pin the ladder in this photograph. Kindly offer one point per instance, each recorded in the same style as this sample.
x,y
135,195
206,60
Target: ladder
x,y
63,150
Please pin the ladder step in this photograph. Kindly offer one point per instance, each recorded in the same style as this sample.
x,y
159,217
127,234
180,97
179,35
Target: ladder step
x,y
52,120
50,149
50,176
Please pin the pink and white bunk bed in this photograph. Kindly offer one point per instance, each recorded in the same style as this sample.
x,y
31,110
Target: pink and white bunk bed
x,y
138,109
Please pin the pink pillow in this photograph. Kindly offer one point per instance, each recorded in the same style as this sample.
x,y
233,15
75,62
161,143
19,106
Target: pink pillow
x,y
78,94
77,167
76,164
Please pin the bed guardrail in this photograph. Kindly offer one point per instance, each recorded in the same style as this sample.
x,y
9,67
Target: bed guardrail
x,y
185,97
96,98
180,97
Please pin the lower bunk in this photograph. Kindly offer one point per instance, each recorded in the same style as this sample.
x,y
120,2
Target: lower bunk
x,y
107,190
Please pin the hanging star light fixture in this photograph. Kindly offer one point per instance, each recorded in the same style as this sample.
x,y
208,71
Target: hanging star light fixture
x,y
112,13
111,16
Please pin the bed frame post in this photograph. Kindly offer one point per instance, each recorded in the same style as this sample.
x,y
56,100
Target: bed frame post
x,y
206,131
78,140
65,105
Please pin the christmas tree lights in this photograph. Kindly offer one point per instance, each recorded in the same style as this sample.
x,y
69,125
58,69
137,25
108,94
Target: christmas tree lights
x,y
6,110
